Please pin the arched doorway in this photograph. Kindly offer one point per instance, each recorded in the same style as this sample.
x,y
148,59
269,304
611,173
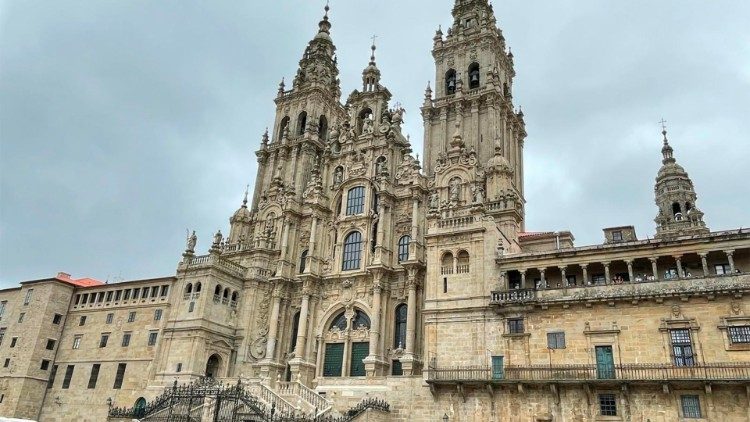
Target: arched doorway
x,y
346,344
213,365
139,408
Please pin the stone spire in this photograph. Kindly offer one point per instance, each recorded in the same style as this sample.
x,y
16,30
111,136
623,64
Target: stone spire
x,y
318,66
471,16
371,74
676,198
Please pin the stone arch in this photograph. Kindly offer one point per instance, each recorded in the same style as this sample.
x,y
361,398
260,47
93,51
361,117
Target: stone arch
x,y
301,123
474,77
450,82
283,126
213,366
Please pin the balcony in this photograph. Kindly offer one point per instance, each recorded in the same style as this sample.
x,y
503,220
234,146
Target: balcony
x,y
519,296
648,373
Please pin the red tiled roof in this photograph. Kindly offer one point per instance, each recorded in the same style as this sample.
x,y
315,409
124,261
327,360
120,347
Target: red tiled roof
x,y
530,234
81,282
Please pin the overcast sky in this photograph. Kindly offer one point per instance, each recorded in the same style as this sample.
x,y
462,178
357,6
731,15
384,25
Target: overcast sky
x,y
123,123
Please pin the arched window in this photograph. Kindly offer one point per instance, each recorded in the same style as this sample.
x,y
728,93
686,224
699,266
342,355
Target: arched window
x,y
198,287
226,293
295,331
283,126
399,327
323,128
355,201
446,263
352,251
676,208
217,290
302,261
139,408
301,123
234,296
450,82
403,248
339,322
474,76
361,320
189,288
462,264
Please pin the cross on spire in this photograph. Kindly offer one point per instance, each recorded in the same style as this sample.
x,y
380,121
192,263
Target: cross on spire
x,y
373,38
663,125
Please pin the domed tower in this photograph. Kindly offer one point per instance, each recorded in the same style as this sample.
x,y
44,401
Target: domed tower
x,y
241,225
675,196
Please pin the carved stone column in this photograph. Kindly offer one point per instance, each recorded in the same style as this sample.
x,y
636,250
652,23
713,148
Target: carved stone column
x,y
374,363
730,258
302,370
414,227
563,279
678,261
523,279
629,263
585,268
654,267
410,362
607,278
543,281
273,328
704,263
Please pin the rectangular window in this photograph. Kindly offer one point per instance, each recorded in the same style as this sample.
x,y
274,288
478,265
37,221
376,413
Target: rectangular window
x,y
77,342
135,293
2,308
515,326
27,300
571,280
57,319
82,321
191,307
2,335
556,340
691,407
355,201
120,375
739,335
100,297
607,405
617,236
127,294
84,299
126,339
6,363
109,296
51,344
131,317
118,295
157,315
94,375
722,269
45,365
110,318
52,376
13,342
21,316
68,376
103,341
682,347
164,290
445,284
179,367
152,338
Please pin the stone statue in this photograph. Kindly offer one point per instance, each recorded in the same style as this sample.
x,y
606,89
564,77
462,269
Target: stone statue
x,y
192,240
338,176
499,249
454,188
434,201
367,127
478,195
217,238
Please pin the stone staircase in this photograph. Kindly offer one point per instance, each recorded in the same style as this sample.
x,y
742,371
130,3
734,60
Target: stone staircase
x,y
303,398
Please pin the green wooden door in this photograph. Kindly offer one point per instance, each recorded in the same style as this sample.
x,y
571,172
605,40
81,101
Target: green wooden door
x,y
334,360
605,364
497,368
359,352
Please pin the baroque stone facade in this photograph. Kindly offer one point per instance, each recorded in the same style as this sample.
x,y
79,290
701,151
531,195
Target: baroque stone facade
x,y
352,272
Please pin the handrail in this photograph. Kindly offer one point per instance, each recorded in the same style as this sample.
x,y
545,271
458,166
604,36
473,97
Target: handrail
x,y
274,400
722,371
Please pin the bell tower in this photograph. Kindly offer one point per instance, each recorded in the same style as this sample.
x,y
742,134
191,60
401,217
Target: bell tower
x,y
473,93
675,197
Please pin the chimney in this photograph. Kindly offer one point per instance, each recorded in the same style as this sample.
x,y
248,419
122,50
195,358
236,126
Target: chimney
x,y
63,276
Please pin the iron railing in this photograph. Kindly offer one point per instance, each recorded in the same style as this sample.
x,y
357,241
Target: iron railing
x,y
728,372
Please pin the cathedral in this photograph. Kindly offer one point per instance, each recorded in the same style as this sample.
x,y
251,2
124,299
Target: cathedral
x,y
356,283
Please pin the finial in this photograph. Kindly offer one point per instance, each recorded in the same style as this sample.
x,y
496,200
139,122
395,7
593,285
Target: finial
x,y
244,200
372,56
664,129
